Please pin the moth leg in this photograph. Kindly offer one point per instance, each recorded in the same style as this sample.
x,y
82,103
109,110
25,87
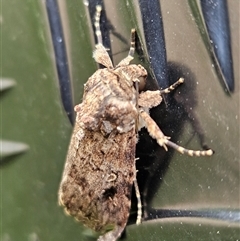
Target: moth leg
x,y
149,98
172,87
164,141
100,54
97,24
112,235
139,203
131,52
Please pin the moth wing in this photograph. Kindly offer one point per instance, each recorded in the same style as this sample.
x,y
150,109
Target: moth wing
x,y
98,176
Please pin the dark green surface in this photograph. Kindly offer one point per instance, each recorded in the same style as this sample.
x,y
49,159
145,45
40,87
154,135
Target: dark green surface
x,y
181,230
32,113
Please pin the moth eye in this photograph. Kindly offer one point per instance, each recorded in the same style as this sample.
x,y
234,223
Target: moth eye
x,y
142,83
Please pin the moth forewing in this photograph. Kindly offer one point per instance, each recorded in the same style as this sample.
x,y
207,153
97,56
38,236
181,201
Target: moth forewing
x,y
98,177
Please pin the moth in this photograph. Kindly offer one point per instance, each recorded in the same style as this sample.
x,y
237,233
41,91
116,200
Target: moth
x,y
100,168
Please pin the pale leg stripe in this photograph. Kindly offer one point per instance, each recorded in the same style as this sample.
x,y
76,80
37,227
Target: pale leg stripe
x,y
139,203
97,23
132,48
172,87
187,151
